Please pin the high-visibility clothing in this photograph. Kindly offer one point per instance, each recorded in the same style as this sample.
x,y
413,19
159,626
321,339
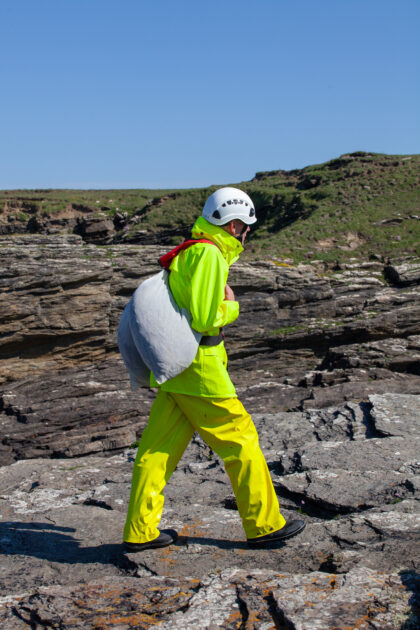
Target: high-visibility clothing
x,y
228,429
203,399
197,280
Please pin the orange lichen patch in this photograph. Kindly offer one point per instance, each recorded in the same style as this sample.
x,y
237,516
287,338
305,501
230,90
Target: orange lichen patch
x,y
321,589
135,605
357,623
167,555
134,620
236,618
195,528
380,580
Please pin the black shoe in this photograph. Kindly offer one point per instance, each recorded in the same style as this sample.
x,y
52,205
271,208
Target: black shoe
x,y
290,529
165,538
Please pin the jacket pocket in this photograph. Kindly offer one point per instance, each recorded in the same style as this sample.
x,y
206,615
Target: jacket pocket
x,y
215,380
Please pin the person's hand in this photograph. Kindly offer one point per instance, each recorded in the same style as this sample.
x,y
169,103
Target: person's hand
x,y
229,294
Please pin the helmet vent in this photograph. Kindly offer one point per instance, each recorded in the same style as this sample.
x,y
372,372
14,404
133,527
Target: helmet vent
x,y
252,212
216,214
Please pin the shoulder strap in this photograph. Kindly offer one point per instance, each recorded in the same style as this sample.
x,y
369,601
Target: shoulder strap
x,y
166,259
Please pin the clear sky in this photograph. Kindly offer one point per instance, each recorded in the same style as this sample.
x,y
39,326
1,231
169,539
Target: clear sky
x,y
185,93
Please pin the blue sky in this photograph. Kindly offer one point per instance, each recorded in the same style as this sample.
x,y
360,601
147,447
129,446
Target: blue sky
x,y
165,93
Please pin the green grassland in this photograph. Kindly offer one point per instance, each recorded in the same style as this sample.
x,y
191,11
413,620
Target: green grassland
x,y
358,205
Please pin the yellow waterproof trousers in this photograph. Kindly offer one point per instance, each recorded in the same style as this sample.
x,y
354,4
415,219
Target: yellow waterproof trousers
x,y
228,429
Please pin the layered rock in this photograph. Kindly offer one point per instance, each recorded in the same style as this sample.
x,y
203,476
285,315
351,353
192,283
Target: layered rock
x,y
83,410
55,305
61,301
306,338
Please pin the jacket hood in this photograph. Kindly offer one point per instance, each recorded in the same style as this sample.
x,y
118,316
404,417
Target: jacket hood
x,y
230,247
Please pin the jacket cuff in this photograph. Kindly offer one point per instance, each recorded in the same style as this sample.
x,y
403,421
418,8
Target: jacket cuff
x,y
231,308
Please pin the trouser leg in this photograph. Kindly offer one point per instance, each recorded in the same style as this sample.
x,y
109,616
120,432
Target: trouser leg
x,y
229,431
162,444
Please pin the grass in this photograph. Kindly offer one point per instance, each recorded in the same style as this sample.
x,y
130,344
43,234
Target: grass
x,y
287,330
314,324
329,212
340,215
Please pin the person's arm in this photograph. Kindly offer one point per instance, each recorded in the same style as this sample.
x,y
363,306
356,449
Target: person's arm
x,y
209,307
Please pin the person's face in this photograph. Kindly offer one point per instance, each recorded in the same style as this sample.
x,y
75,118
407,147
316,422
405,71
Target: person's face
x,y
239,230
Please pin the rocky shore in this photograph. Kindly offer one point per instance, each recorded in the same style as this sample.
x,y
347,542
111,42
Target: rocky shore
x,y
327,359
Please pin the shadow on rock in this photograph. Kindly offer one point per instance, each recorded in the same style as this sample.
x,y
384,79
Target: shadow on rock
x,y
54,543
411,581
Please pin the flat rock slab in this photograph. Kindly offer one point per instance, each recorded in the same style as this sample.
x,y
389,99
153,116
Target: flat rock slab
x,y
396,414
258,600
384,454
323,489
63,522
338,477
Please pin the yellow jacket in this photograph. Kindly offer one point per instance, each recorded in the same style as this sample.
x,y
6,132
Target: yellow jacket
x,y
198,276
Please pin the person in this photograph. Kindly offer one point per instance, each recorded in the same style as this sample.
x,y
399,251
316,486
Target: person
x,y
203,398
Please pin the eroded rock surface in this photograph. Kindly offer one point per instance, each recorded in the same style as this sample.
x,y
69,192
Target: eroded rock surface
x,y
258,600
328,364
354,483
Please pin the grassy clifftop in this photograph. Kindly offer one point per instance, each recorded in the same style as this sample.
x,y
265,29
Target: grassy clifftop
x,y
357,204
360,204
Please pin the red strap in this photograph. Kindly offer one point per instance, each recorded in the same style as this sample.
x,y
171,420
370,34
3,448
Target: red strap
x,y
166,259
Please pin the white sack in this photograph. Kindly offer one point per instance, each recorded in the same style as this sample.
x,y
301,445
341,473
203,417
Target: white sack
x,y
137,369
155,333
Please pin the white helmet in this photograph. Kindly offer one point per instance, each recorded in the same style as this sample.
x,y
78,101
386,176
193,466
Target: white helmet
x,y
227,204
